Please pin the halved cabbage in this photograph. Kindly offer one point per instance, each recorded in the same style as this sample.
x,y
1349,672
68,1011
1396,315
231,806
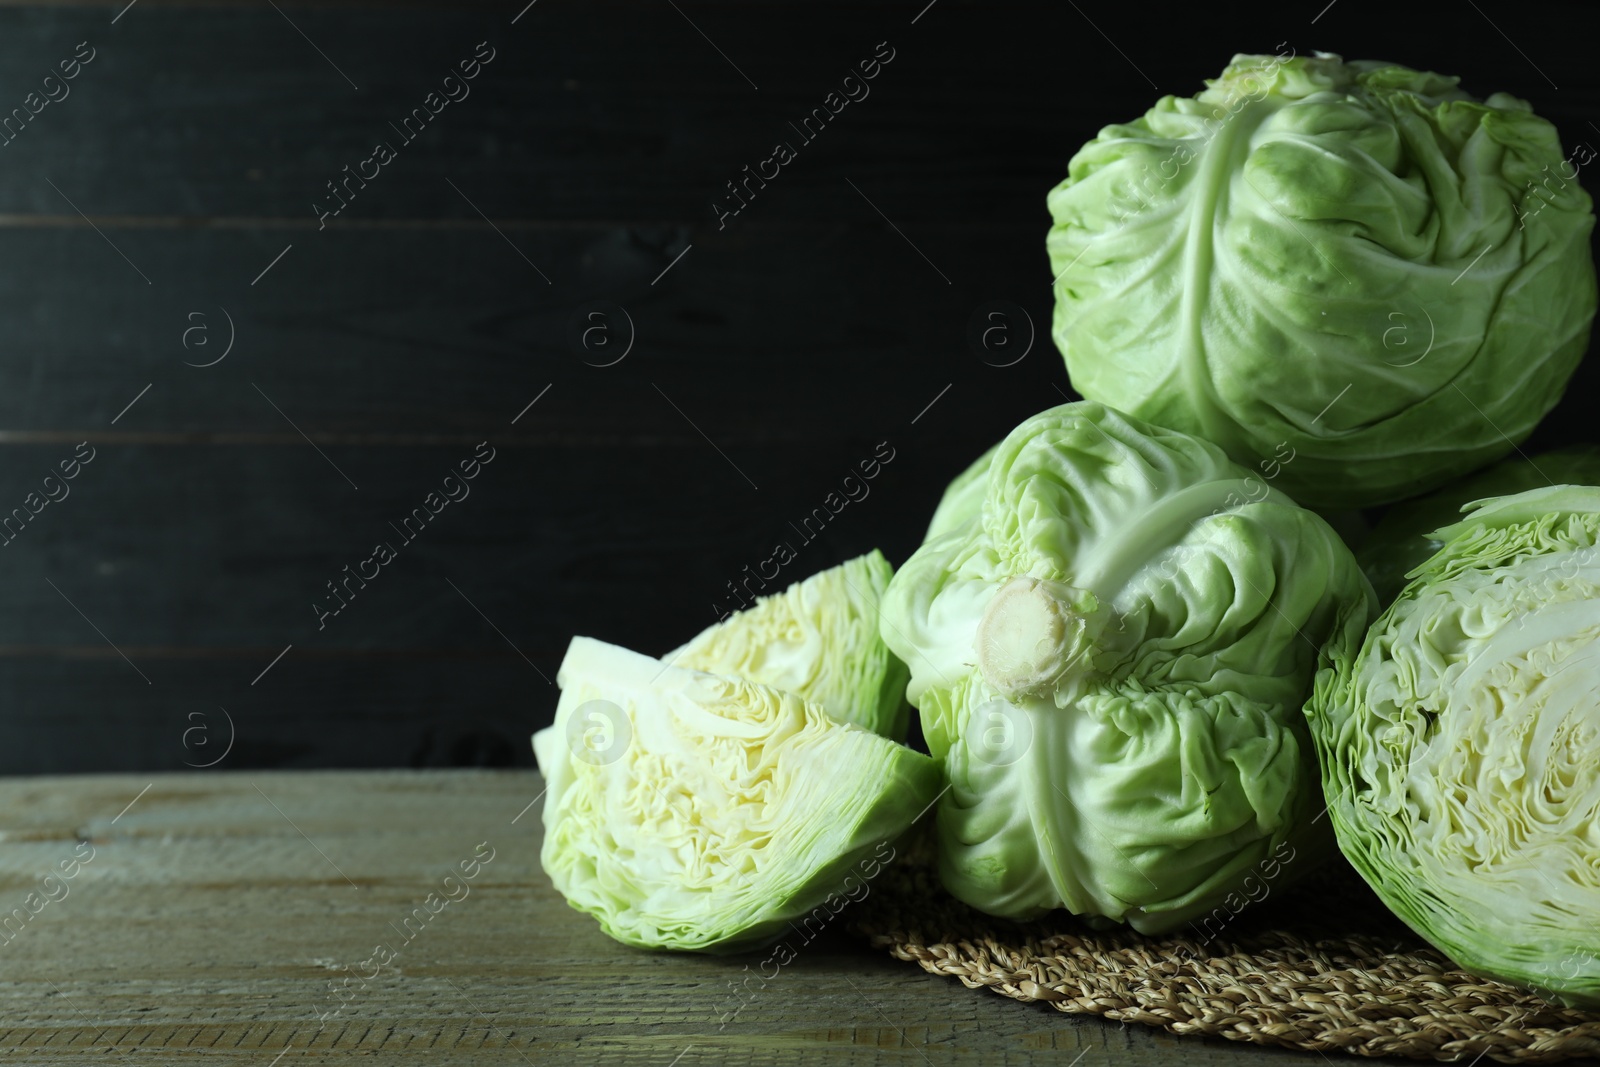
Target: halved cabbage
x,y
691,811
1461,746
1111,633
818,639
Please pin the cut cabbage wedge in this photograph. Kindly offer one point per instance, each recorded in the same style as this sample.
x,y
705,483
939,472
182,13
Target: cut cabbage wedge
x,y
687,810
819,640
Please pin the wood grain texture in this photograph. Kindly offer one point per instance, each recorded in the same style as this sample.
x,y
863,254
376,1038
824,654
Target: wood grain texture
x,y
218,907
625,111
775,353
779,334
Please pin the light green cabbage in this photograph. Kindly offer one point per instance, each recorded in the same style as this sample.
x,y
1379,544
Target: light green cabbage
x,y
962,498
1460,746
1406,536
1356,263
819,640
1109,655
686,810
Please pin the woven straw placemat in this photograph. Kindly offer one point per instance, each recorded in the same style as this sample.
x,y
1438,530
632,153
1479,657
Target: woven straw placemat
x,y
1323,968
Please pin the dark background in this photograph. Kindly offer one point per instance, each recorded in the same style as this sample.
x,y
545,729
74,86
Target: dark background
x,y
141,611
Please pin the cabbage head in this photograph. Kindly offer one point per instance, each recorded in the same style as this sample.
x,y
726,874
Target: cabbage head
x,y
1109,655
962,498
687,810
1460,745
1407,535
1355,264
818,639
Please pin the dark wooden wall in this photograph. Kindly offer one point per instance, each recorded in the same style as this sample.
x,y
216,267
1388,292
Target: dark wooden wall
x,y
769,356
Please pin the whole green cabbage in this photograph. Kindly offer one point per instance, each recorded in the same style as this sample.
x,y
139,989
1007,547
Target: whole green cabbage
x,y
1460,745
1356,264
1407,534
1110,635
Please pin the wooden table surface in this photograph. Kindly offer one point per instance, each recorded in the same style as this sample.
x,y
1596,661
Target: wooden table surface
x,y
209,917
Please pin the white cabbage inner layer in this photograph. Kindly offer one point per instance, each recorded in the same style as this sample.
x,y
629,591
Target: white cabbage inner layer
x,y
1485,742
688,810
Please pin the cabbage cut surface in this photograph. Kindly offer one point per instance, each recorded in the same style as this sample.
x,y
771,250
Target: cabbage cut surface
x,y
819,640
687,810
1461,745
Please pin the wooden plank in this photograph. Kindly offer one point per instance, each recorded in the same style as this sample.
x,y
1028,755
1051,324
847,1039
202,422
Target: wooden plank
x,y
565,101
202,565
216,909
574,119
400,707
229,547
424,665
778,335
372,336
